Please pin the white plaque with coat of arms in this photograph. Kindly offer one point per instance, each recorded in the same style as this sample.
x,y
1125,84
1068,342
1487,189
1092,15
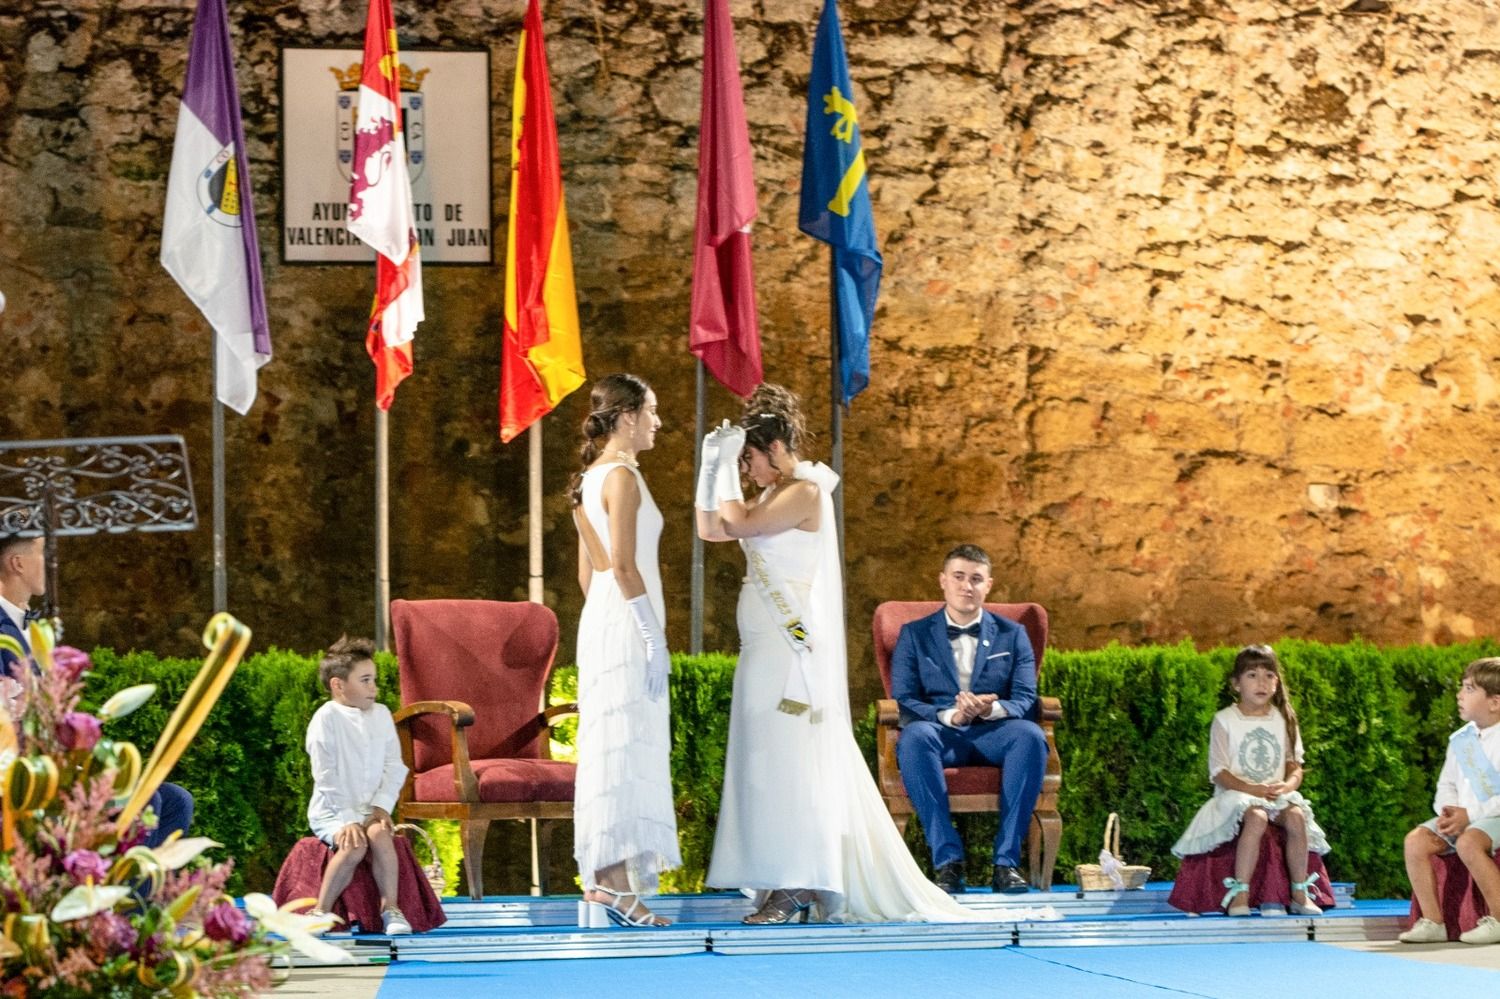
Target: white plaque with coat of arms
x,y
445,112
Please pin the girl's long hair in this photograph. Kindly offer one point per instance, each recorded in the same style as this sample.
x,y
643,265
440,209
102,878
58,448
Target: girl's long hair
x,y
611,397
1252,656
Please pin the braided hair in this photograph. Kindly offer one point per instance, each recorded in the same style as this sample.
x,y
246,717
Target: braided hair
x,y
611,397
1264,657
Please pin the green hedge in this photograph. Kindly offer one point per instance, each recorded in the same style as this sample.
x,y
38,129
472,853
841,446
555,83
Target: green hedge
x,y
1133,740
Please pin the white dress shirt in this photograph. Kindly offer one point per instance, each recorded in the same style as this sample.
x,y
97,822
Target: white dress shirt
x,y
1454,788
356,765
16,614
964,649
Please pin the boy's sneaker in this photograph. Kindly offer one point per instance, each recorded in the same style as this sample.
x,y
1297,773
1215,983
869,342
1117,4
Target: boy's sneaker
x,y
1425,930
395,923
1486,932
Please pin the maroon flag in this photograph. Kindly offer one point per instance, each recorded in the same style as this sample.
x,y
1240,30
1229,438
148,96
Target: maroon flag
x,y
724,331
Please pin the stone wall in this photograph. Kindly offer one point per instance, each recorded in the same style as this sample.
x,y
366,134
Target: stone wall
x,y
1189,312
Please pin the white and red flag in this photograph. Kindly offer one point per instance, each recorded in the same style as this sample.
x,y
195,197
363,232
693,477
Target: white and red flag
x,y
380,208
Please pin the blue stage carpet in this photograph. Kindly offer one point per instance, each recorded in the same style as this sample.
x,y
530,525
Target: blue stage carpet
x,y
1234,971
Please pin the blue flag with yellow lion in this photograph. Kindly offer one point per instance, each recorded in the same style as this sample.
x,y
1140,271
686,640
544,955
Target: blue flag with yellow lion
x,y
836,199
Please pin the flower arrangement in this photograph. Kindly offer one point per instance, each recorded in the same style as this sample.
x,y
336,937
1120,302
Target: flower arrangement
x,y
86,908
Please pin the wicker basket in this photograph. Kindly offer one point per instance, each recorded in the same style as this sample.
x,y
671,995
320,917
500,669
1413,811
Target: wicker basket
x,y
433,870
1111,873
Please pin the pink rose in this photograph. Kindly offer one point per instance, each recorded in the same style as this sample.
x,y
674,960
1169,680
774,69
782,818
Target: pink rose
x,y
78,730
72,662
85,864
225,922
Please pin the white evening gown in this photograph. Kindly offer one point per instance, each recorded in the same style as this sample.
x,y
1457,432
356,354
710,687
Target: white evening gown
x,y
799,808
623,808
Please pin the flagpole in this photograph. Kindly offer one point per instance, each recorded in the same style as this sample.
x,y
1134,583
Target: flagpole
x,y
836,423
382,530
221,571
534,513
695,642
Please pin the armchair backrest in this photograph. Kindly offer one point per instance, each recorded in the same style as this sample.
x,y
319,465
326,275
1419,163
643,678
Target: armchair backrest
x,y
892,615
493,656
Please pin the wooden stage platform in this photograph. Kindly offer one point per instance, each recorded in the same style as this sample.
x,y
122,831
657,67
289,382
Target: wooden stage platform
x,y
523,928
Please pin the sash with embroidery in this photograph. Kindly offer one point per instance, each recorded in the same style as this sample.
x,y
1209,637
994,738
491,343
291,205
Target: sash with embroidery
x,y
797,695
1481,774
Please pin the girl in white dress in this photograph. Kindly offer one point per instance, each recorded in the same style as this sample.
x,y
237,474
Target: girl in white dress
x,y
1255,764
800,821
625,826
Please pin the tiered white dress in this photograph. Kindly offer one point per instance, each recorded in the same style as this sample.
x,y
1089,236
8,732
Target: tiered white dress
x,y
623,808
799,808
1253,748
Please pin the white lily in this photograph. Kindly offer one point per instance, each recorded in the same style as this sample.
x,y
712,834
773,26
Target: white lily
x,y
126,701
181,850
86,900
296,928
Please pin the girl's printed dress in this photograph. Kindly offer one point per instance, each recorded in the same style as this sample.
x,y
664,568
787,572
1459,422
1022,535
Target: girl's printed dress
x,y
1254,749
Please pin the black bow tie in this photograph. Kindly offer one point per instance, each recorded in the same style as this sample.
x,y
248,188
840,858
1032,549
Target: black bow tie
x,y
954,631
30,616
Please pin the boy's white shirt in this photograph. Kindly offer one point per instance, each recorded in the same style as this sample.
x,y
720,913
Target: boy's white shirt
x,y
1453,787
356,765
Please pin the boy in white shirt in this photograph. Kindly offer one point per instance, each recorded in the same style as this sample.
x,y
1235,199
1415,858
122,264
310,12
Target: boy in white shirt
x,y
1468,812
357,776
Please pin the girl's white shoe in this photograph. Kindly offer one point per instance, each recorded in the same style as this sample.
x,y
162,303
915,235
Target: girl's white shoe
x,y
1487,931
1425,930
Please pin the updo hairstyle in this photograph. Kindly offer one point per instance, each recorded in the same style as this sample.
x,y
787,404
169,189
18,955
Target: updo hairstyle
x,y
611,397
772,413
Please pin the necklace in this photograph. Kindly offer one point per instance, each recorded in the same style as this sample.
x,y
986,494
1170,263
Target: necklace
x,y
624,456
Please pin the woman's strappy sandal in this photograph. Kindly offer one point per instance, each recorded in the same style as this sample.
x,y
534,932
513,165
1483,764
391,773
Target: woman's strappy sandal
x,y
1306,907
1237,889
782,906
628,916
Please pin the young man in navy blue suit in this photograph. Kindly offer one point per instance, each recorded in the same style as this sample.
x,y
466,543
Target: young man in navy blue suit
x,y
965,680
23,575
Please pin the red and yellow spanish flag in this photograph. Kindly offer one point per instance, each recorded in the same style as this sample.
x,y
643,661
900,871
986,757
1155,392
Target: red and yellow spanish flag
x,y
541,356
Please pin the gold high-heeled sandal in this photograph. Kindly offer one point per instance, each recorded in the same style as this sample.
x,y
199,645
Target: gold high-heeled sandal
x,y
782,906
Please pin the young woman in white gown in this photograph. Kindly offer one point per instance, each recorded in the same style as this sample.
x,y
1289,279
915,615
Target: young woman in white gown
x,y
625,825
801,824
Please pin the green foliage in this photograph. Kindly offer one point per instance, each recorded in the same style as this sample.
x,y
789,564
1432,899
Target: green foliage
x,y
1134,739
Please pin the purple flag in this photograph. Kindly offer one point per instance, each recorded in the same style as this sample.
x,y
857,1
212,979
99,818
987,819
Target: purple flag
x,y
209,244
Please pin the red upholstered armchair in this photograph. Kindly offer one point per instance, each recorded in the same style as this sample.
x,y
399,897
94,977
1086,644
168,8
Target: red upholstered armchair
x,y
473,731
970,789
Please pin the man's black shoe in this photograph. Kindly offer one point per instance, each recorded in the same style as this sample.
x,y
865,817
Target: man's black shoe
x,y
1010,881
950,878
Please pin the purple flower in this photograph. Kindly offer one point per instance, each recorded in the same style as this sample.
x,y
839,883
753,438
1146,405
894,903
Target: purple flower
x,y
85,864
227,923
115,932
77,730
70,661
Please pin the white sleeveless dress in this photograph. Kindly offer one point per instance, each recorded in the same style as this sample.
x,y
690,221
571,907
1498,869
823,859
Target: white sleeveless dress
x,y
623,808
799,807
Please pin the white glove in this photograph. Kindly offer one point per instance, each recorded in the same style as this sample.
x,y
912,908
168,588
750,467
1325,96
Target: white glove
x,y
658,662
708,469
731,443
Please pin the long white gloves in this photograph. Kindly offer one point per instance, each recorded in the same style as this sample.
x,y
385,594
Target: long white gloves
x,y
731,443
708,470
658,662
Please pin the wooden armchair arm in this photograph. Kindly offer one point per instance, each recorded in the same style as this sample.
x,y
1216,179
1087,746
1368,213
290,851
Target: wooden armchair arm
x,y
461,713
1051,709
887,720
460,716
558,712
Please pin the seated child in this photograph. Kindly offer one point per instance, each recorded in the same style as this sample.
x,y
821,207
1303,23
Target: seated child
x,y
357,776
1255,764
1468,812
